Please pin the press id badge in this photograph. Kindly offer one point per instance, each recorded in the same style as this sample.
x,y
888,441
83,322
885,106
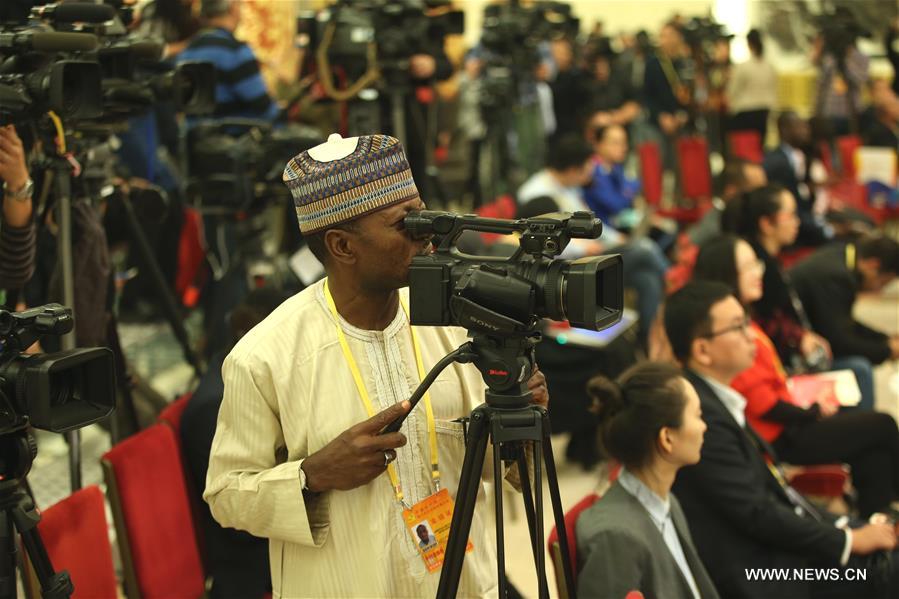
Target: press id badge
x,y
428,522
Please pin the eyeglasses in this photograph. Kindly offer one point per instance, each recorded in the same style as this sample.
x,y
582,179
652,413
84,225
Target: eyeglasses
x,y
743,327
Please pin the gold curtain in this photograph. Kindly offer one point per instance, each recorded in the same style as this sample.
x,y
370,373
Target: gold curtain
x,y
269,27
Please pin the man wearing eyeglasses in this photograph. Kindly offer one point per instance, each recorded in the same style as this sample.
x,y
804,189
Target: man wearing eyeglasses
x,y
756,535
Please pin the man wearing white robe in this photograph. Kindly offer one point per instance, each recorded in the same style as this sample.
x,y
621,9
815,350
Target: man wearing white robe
x,y
296,457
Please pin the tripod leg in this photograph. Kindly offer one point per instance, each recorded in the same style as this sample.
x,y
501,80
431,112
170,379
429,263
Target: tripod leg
x,y
466,495
7,557
558,513
528,498
125,411
540,562
500,536
24,517
166,299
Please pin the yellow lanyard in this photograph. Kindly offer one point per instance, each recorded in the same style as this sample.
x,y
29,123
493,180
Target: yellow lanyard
x,y
363,393
669,71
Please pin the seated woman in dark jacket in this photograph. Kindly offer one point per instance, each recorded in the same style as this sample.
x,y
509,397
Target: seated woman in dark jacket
x,y
636,538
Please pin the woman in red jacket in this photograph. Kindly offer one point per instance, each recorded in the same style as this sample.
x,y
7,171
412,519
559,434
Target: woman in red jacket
x,y
819,434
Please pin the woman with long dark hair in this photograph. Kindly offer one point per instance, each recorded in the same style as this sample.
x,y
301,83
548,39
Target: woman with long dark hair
x,y
636,536
818,434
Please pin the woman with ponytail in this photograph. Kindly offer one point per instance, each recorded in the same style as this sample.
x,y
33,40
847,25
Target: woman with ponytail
x,y
636,536
752,89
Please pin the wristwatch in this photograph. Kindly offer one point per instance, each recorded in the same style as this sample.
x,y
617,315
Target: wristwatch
x,y
23,194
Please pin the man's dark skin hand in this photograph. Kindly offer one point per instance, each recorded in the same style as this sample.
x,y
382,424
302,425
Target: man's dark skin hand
x,y
537,386
356,456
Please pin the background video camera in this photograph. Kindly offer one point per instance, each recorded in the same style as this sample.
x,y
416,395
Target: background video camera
x,y
507,296
388,31
58,392
40,71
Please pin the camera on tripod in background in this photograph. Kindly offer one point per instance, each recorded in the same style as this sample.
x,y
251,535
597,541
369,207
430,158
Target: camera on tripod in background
x,y
235,165
389,31
511,37
840,30
135,76
57,392
43,70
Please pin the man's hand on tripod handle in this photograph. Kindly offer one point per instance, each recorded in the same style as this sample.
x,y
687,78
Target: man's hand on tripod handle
x,y
357,456
537,386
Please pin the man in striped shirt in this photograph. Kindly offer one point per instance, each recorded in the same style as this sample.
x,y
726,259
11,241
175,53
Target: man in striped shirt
x,y
17,235
240,90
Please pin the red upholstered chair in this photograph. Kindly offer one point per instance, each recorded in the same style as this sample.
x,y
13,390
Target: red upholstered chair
x,y
171,417
171,414
76,536
503,207
790,258
145,479
651,172
746,145
822,481
555,549
693,161
190,257
826,158
846,147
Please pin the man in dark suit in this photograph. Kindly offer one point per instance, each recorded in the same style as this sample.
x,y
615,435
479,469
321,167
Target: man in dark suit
x,y
742,513
789,165
828,282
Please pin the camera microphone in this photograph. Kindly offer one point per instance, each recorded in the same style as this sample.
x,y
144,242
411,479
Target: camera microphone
x,y
74,12
49,41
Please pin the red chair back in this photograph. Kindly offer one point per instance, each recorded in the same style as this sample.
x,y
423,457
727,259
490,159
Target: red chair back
x,y
695,174
826,158
503,207
824,481
552,542
746,145
651,172
76,536
171,414
171,417
846,146
190,257
156,533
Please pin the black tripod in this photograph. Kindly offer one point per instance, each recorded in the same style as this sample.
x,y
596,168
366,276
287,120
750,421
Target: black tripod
x,y
515,426
18,514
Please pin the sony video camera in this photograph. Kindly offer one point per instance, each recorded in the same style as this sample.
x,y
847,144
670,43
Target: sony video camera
x,y
57,392
506,297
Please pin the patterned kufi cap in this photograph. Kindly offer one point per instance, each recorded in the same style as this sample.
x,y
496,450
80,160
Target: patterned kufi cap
x,y
343,179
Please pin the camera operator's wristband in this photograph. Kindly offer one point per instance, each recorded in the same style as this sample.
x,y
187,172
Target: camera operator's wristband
x,y
22,194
